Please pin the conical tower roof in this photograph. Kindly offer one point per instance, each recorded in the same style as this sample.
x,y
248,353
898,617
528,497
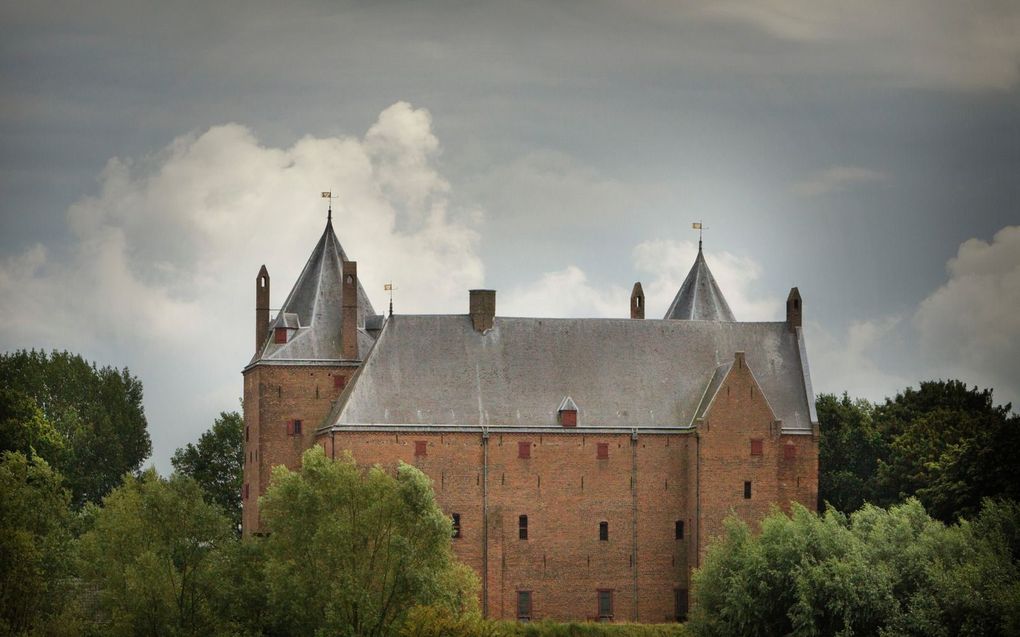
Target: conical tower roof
x,y
700,298
312,312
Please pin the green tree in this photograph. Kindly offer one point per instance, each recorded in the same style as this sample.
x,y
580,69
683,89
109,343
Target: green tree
x,y
97,412
949,445
351,550
25,428
217,462
152,553
848,452
35,545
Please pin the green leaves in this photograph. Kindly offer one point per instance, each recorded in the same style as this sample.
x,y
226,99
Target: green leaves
x,y
216,463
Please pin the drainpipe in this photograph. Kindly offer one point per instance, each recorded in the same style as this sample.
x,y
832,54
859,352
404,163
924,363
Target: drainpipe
x,y
485,523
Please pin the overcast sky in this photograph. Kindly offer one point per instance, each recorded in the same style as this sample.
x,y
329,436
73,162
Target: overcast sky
x,y
152,158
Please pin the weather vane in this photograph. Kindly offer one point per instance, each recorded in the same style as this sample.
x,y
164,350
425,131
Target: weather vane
x,y
328,194
697,226
389,288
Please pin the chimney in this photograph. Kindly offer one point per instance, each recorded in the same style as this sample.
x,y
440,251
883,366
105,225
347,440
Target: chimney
x,y
637,302
261,309
793,310
482,309
349,316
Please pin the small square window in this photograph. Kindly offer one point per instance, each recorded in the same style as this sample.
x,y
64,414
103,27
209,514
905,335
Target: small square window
x,y
789,452
456,525
678,530
602,451
605,598
524,606
680,602
524,449
604,531
522,527
421,448
747,490
756,447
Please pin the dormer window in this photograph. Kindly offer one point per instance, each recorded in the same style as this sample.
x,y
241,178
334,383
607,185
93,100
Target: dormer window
x,y
568,412
280,335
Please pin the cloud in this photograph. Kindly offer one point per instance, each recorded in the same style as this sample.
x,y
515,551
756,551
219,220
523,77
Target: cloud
x,y
837,179
970,326
566,293
853,361
160,274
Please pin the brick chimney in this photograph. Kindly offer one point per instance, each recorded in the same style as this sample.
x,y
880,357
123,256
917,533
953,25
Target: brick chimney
x,y
637,302
794,308
349,317
482,309
261,308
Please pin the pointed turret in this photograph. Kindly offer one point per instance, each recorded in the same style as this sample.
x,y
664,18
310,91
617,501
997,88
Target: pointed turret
x,y
700,298
311,321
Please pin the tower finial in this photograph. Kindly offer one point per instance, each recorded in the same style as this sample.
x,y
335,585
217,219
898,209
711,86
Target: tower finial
x,y
328,194
389,288
698,226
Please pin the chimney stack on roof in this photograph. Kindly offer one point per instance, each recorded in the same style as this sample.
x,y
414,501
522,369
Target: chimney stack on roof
x,y
637,302
793,310
482,309
261,309
349,316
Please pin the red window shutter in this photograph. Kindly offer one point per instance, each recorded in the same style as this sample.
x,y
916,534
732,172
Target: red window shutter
x,y
420,447
568,418
756,447
280,335
339,382
290,427
524,449
602,451
789,452
244,494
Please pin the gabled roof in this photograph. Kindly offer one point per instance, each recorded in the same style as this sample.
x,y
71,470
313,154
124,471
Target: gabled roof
x,y
567,404
700,298
312,311
436,370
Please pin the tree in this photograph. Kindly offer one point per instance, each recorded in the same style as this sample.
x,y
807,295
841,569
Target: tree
x,y
35,545
216,463
25,428
948,445
152,554
848,452
97,412
350,551
876,571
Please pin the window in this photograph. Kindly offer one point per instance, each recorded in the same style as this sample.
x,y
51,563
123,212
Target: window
x,y
297,427
339,382
756,447
678,530
246,434
604,531
293,427
602,451
456,525
789,452
280,335
524,449
680,602
747,490
421,448
605,605
522,527
524,606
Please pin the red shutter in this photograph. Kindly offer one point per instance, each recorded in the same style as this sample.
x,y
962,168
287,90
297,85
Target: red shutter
x,y
290,427
339,382
756,447
568,418
280,335
602,451
789,452
244,492
420,447
524,449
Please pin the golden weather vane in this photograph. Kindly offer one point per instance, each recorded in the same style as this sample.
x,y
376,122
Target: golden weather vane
x,y
389,288
328,194
697,225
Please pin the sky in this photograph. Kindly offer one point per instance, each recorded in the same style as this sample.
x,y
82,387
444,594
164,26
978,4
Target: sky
x,y
154,155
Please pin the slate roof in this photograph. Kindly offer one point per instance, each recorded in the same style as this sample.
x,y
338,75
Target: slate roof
x,y
436,370
700,298
312,311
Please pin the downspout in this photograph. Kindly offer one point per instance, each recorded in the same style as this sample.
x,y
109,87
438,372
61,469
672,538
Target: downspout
x,y
634,520
485,523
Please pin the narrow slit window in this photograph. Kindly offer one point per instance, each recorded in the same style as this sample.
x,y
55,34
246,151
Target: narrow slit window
x,y
678,530
524,606
603,531
456,525
605,602
297,427
747,489
522,527
681,604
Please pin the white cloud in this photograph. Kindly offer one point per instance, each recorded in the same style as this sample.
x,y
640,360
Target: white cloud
x,y
837,179
852,361
565,293
970,326
162,269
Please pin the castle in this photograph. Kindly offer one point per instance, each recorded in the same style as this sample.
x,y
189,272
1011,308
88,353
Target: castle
x,y
585,463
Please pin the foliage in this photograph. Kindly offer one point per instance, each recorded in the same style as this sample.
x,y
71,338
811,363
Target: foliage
x,y
430,621
151,553
216,463
35,547
350,551
895,571
25,428
97,412
848,450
